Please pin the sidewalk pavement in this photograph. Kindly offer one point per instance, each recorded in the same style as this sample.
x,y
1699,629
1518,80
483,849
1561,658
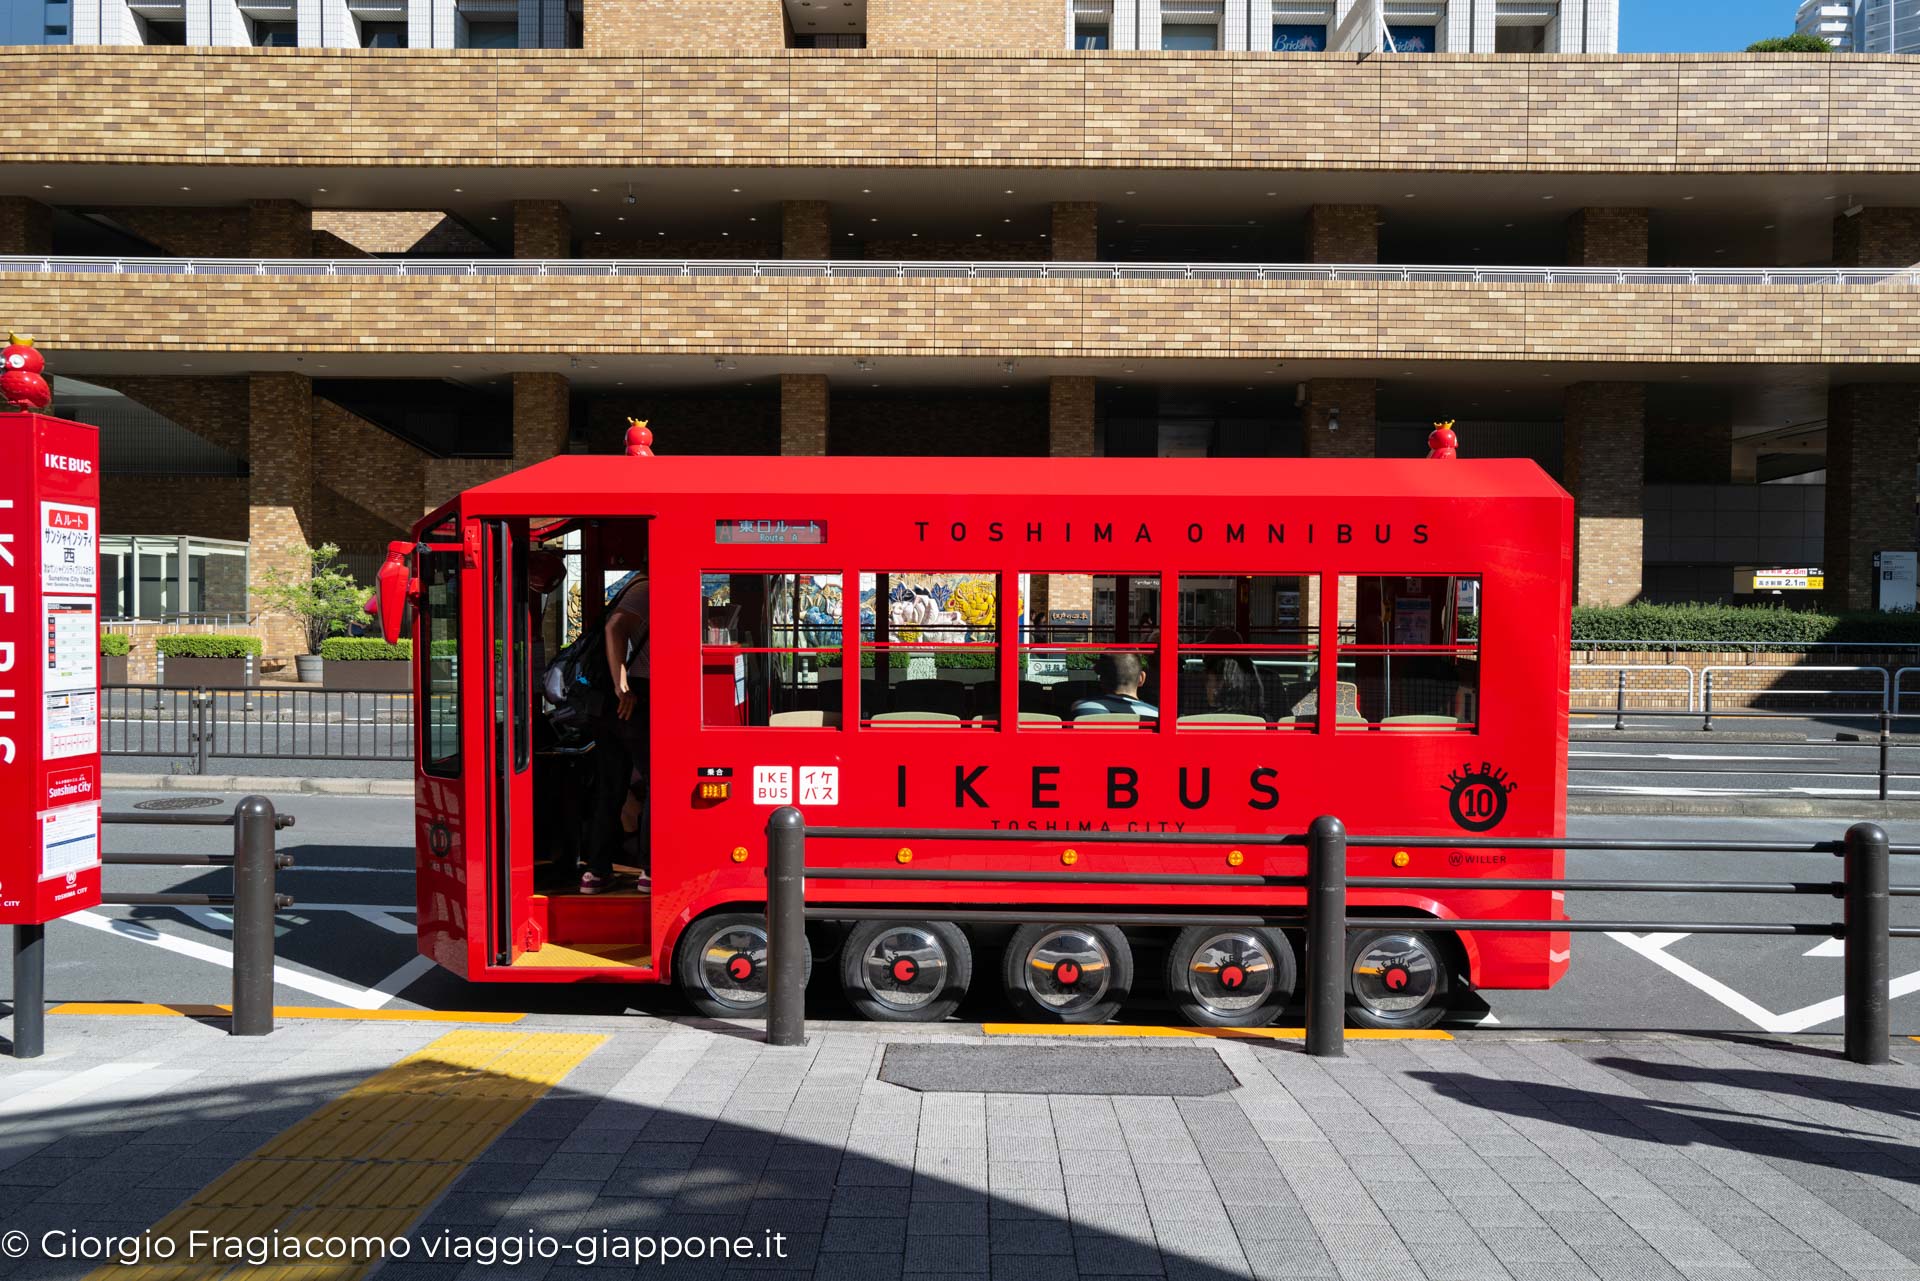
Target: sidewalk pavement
x,y
1556,1157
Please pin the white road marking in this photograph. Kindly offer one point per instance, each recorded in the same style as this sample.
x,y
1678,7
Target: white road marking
x,y
398,981
1688,756
1828,947
342,993
1654,948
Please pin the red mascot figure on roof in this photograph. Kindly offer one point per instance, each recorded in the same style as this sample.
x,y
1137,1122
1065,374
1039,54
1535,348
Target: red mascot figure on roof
x,y
1442,443
20,380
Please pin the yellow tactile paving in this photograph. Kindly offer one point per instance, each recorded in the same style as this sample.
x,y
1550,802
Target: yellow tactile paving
x,y
369,1163
1227,1033
291,1012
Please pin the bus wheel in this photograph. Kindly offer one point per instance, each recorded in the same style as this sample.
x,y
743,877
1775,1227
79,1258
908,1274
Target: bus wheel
x,y
722,965
905,971
1073,973
1396,979
1230,977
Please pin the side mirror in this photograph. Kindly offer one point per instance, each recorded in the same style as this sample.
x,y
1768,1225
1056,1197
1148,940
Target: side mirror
x,y
389,599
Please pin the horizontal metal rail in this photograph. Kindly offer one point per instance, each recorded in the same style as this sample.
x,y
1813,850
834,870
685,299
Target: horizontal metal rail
x,y
205,723
865,269
1823,929
281,861
280,901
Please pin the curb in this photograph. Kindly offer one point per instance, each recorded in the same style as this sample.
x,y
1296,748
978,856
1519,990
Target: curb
x,y
269,785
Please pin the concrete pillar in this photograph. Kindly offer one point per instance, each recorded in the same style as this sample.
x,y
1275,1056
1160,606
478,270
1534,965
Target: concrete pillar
x,y
1341,418
541,412
805,403
1879,237
26,226
806,230
1343,233
1076,231
1070,418
279,229
280,491
542,229
1604,470
1873,445
1599,237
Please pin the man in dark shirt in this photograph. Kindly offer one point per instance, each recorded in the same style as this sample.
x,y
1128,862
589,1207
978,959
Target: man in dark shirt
x,y
1119,676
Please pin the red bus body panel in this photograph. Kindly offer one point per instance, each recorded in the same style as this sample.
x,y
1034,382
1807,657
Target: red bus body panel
x,y
1503,521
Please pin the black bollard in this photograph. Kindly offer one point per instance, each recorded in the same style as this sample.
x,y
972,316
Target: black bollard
x,y
29,991
1327,938
786,927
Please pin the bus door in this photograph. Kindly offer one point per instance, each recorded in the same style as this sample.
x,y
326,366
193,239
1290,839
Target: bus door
x,y
450,911
504,682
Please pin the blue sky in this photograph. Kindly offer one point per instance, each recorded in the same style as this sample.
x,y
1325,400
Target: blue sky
x,y
1700,26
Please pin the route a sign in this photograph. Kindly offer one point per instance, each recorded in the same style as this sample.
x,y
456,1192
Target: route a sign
x,y
49,667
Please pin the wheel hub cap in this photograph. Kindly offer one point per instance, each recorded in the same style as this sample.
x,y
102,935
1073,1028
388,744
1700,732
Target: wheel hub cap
x,y
904,968
1231,973
733,966
1396,975
1068,970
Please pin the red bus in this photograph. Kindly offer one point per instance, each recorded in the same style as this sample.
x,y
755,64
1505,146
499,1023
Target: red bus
x,y
1053,645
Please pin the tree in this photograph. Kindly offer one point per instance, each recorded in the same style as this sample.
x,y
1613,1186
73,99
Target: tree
x,y
325,598
1799,42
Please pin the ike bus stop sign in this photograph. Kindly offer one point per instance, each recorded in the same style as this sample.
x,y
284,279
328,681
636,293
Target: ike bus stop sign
x,y
49,667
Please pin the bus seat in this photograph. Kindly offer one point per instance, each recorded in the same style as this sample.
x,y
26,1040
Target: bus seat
x,y
1421,720
1036,696
829,695
984,699
814,719
946,697
1107,718
908,718
1039,718
1223,718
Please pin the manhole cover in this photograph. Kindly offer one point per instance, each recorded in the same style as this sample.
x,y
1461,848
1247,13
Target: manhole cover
x,y
177,803
1040,1069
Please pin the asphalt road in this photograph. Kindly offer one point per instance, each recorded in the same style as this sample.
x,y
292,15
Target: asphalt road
x,y
349,939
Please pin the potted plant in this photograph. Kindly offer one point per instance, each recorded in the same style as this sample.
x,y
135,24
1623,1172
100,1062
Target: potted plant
x,y
324,598
366,662
211,658
114,648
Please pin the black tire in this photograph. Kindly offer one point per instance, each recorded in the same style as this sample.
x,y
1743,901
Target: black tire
x,y
1220,976
1397,980
905,971
704,961
1069,973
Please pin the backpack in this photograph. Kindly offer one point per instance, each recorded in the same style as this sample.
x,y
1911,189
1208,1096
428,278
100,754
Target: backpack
x,y
576,684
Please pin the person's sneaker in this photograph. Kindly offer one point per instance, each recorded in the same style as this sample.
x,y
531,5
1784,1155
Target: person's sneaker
x,y
591,884
643,882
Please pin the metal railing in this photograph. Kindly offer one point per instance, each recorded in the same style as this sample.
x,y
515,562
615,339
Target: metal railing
x,y
1619,675
205,724
254,901
406,268
1876,738
1879,674
1865,887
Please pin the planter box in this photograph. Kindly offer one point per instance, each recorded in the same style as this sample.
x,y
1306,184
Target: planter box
x,y
217,673
380,674
113,669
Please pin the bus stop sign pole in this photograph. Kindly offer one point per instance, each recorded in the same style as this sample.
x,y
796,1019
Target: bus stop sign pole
x,y
49,690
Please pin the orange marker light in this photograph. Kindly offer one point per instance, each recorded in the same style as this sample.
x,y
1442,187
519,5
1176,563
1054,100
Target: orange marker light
x,y
1070,857
1235,858
904,856
739,853
1401,858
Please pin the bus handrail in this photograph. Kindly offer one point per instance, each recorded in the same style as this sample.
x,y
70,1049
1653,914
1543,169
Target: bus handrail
x,y
1864,886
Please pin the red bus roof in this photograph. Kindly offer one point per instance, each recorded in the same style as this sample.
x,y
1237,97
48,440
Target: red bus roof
x,y
600,483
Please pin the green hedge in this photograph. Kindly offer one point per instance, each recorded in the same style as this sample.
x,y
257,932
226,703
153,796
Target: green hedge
x,y
1672,627
211,645
364,649
114,645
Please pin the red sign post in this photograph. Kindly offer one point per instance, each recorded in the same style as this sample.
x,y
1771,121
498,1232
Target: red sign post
x,y
49,690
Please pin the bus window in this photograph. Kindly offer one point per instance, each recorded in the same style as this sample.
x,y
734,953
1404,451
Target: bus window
x,y
1248,649
929,649
439,678
1088,650
1414,651
770,650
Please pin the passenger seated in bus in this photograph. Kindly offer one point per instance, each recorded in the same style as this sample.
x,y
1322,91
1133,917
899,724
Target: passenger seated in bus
x,y
620,742
1228,682
1119,677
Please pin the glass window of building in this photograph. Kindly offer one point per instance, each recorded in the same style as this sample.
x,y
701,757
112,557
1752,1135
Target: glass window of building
x,y
1190,35
383,35
168,578
1299,37
275,35
1410,39
161,31
490,33
1091,35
